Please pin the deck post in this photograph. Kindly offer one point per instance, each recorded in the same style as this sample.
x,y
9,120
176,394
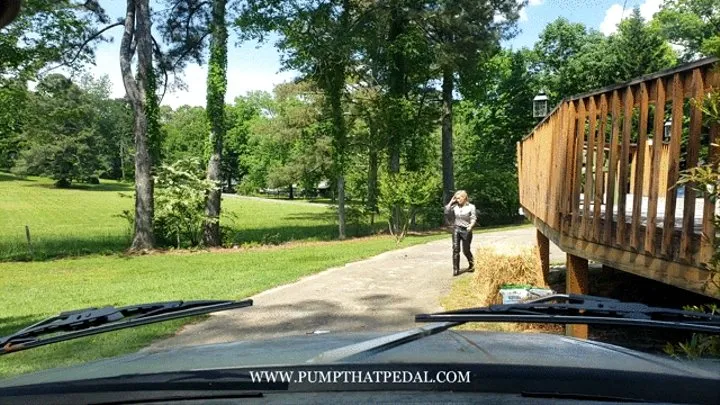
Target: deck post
x,y
543,244
576,282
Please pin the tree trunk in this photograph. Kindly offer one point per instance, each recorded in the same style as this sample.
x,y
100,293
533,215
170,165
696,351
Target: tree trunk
x,y
138,31
122,161
447,135
341,206
397,92
291,194
372,180
339,141
396,88
217,87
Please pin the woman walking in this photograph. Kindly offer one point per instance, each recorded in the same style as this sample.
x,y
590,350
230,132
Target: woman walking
x,y
463,221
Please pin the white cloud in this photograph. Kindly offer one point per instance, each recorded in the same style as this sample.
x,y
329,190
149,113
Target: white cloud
x,y
240,81
649,8
523,11
523,15
615,14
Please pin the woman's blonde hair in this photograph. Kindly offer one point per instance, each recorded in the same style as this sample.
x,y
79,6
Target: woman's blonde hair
x,y
461,193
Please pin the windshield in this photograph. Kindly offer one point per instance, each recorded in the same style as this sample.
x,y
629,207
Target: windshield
x,y
349,164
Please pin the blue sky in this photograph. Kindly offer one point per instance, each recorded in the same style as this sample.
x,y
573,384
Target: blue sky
x,y
252,68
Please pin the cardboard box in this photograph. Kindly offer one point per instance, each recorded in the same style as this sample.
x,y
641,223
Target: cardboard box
x,y
517,295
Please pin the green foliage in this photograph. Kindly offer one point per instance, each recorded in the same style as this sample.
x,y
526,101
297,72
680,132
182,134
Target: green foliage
x,y
699,345
48,33
496,115
288,141
185,132
13,107
180,191
572,59
61,134
152,114
637,49
693,25
562,52
404,194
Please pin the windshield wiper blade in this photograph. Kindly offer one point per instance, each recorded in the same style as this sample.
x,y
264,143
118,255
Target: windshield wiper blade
x,y
91,321
583,309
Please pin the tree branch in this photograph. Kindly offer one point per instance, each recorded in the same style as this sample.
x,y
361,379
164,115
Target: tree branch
x,y
126,54
159,54
83,45
188,50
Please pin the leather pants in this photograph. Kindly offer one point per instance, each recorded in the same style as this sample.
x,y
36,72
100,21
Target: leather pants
x,y
461,237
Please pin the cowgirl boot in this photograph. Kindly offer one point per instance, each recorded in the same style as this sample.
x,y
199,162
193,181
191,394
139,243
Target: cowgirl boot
x,y
456,263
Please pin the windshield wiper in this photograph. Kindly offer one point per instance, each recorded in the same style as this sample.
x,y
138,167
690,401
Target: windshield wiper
x,y
91,321
582,309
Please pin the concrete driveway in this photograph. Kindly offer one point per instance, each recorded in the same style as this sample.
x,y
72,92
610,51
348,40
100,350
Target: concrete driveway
x,y
382,293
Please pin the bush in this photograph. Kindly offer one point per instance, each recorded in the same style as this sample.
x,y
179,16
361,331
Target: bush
x,y
699,345
180,191
403,195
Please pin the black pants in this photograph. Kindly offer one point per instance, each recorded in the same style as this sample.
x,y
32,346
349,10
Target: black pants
x,y
461,237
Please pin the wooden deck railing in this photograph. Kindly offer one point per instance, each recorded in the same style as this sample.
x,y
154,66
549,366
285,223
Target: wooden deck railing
x,y
596,175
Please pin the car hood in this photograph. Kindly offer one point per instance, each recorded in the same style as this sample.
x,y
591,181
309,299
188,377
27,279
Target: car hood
x,y
448,347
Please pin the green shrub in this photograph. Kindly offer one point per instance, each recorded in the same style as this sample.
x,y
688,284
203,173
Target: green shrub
x,y
699,345
403,195
180,191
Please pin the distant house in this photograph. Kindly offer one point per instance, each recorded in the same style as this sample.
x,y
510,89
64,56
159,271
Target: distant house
x,y
323,189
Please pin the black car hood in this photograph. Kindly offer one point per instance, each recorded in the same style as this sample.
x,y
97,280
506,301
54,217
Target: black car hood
x,y
449,347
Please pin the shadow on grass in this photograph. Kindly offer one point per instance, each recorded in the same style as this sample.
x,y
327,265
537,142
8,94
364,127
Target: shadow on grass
x,y
11,324
12,177
315,216
55,248
283,234
88,187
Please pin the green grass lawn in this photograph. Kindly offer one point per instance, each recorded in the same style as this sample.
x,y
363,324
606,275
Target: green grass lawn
x,y
84,219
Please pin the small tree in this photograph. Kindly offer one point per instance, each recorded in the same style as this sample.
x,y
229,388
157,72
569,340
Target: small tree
x,y
406,193
180,191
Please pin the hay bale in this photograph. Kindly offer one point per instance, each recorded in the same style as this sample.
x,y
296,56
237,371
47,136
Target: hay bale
x,y
494,268
498,265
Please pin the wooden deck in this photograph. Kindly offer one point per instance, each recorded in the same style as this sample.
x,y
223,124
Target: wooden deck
x,y
678,217
593,181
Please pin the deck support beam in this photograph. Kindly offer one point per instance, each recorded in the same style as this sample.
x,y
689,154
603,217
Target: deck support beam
x,y
543,244
576,282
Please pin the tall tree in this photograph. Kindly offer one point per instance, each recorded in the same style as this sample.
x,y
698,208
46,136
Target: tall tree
x,y
288,142
140,89
317,38
560,46
638,48
60,135
216,89
463,32
494,115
